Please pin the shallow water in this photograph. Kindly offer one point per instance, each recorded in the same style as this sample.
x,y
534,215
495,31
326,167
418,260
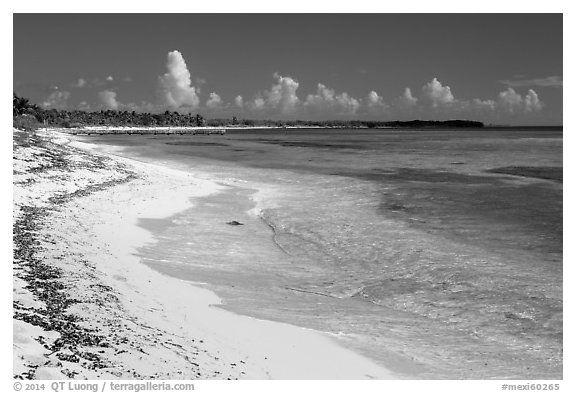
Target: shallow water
x,y
410,246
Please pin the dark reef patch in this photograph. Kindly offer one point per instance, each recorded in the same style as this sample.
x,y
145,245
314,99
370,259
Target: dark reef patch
x,y
538,172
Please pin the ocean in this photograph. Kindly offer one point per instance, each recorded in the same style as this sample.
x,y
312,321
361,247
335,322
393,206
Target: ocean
x,y
436,252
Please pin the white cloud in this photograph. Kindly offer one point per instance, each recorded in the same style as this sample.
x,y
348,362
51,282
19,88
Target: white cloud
x,y
258,103
478,104
323,97
407,99
509,100
327,100
347,103
214,101
109,78
239,101
531,102
282,95
108,99
549,81
56,100
374,98
512,102
437,94
375,103
175,85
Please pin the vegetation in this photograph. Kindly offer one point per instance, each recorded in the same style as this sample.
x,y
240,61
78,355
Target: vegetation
x,y
24,114
76,118
25,122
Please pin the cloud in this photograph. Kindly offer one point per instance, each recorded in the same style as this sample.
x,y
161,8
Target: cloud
x,y
347,103
281,96
375,103
327,100
175,85
509,100
214,101
109,78
483,105
436,94
108,99
550,81
407,100
56,100
80,83
374,99
531,102
258,104
239,101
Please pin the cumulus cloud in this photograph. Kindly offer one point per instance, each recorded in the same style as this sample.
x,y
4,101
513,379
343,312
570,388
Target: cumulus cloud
x,y
239,101
550,81
326,99
281,96
258,103
56,100
109,78
407,100
437,94
175,85
348,103
531,102
374,105
374,100
108,99
509,100
483,105
214,101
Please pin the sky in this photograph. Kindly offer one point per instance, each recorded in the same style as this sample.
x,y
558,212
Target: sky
x,y
495,68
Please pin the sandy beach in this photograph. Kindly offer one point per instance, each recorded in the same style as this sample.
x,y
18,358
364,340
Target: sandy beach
x,y
85,307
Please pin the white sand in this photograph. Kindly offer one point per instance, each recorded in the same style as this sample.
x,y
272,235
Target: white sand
x,y
179,333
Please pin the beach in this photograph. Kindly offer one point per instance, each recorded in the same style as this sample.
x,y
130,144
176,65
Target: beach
x,y
313,254
316,209
87,308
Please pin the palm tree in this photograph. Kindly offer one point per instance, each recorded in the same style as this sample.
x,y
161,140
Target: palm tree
x,y
19,105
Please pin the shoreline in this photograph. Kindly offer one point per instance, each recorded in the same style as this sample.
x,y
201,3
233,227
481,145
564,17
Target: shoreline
x,y
171,320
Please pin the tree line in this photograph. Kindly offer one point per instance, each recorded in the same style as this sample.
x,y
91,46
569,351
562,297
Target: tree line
x,y
27,112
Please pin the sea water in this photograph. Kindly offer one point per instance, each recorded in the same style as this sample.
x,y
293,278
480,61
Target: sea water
x,y
437,253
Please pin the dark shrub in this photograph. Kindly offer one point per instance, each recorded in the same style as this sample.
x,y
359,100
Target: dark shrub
x,y
26,122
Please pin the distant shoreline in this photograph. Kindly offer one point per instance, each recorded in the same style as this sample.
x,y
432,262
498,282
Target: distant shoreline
x,y
177,129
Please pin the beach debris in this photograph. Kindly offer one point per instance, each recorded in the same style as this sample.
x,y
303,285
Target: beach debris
x,y
234,223
60,302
